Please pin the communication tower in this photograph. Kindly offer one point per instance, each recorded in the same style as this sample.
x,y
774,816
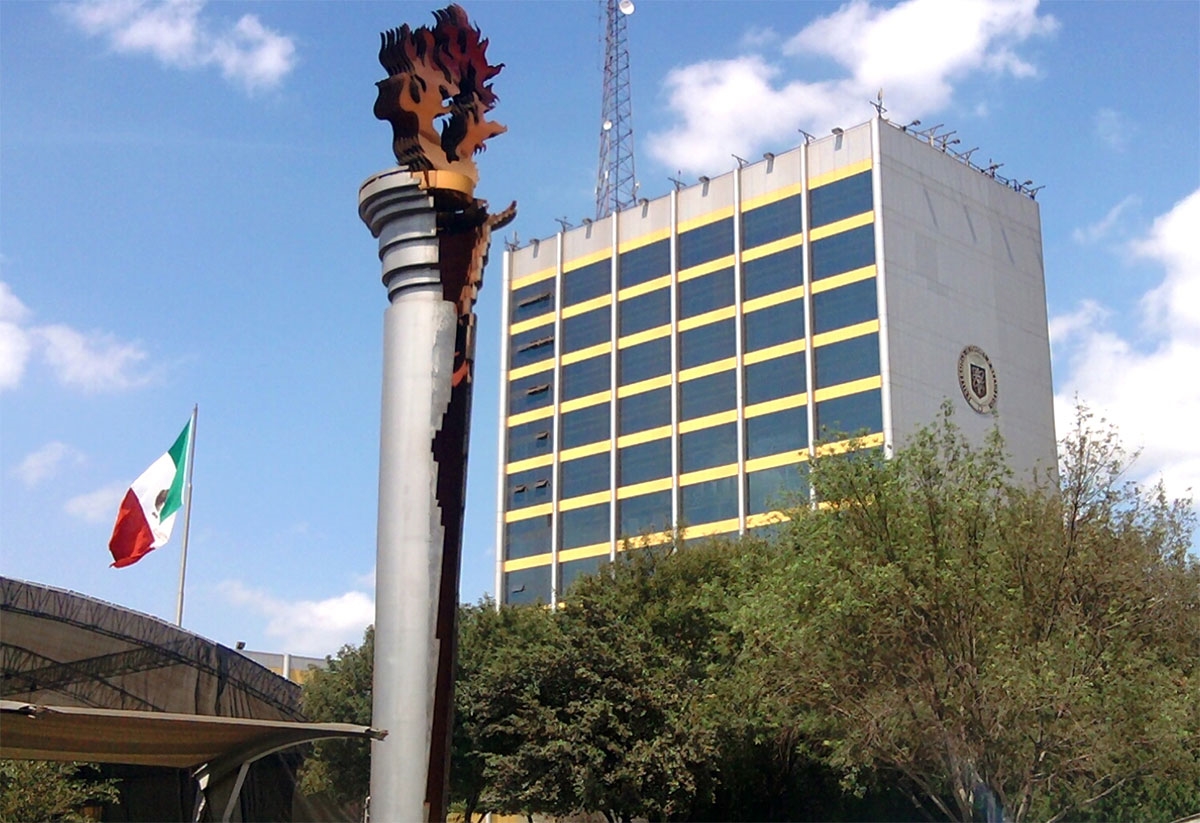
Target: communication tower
x,y
616,187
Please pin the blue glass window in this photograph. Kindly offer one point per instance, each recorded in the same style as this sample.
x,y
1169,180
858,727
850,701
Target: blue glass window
x,y
586,329
645,461
771,222
706,243
529,393
846,360
704,449
583,527
772,379
852,414
643,361
531,346
708,395
709,501
528,488
646,263
702,294
773,273
704,344
843,252
572,570
773,489
844,306
586,377
583,426
585,475
528,586
532,301
587,282
781,431
841,199
646,311
646,513
530,440
525,538
773,325
647,410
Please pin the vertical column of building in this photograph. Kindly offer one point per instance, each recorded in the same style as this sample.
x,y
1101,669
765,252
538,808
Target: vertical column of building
x,y
556,422
885,391
739,348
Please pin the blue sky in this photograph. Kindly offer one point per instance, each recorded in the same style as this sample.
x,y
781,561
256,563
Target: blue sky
x,y
178,225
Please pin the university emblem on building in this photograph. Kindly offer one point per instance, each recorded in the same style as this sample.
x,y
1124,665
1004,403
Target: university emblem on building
x,y
977,380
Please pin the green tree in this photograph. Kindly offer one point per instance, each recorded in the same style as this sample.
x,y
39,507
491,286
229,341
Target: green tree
x,y
44,790
341,693
997,645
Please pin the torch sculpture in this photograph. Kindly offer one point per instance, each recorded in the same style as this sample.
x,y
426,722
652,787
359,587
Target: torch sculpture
x,y
433,243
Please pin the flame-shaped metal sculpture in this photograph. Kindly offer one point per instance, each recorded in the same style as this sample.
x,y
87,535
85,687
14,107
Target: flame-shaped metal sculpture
x,y
439,74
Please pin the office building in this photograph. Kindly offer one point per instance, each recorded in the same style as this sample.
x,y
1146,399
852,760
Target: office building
x,y
677,364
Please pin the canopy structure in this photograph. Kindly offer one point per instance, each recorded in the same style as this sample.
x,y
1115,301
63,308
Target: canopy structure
x,y
84,680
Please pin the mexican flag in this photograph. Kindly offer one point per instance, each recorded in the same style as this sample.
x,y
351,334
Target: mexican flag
x,y
148,511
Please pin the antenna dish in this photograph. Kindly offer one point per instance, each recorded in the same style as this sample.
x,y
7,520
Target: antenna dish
x,y
625,7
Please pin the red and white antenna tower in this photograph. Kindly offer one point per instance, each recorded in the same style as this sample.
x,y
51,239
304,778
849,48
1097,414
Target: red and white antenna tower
x,y
616,187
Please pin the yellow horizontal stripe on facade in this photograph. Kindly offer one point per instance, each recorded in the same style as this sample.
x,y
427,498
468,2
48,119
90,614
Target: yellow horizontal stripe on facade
x,y
715,473
531,323
584,500
707,267
765,519
772,196
864,219
763,355
768,300
706,369
838,174
526,513
774,246
531,368
523,563
843,446
529,463
704,219
662,484
643,240
585,401
586,260
587,450
644,436
644,288
530,416
845,389
709,529
845,333
708,421
584,354
643,336
759,409
584,552
587,306
644,386
774,461
642,541
843,279
714,316
533,277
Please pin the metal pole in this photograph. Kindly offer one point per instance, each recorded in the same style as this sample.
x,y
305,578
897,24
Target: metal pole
x,y
187,513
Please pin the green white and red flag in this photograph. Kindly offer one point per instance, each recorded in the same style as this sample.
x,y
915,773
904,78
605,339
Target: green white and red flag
x,y
147,513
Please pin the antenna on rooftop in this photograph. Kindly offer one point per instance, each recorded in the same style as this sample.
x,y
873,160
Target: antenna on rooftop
x,y
615,185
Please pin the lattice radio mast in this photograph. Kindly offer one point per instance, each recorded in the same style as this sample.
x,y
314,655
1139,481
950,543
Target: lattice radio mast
x,y
615,185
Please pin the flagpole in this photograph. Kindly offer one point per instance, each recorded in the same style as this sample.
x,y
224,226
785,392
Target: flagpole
x,y
187,514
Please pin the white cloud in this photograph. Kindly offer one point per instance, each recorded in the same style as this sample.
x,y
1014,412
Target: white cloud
x,y
1103,227
44,463
1112,130
309,627
177,34
1148,392
97,506
916,51
92,362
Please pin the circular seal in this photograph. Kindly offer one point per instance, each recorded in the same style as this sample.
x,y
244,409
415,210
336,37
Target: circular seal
x,y
977,379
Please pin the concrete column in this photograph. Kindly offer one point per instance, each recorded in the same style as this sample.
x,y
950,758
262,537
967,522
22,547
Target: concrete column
x,y
418,359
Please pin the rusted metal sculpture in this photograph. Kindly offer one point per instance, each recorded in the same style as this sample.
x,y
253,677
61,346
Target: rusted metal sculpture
x,y
433,244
